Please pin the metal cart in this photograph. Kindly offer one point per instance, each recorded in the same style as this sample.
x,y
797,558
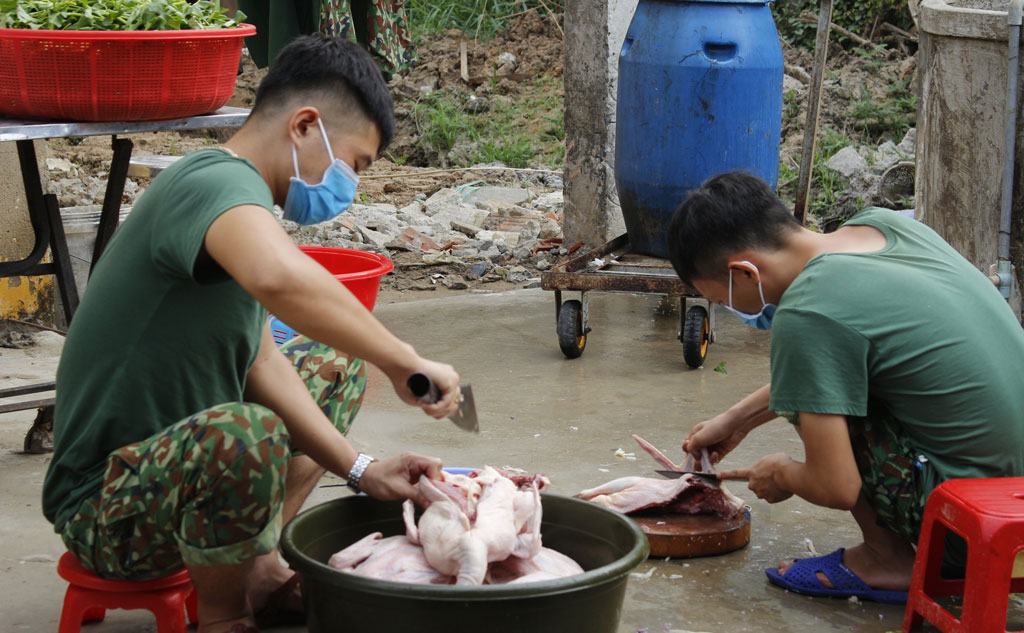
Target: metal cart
x,y
613,267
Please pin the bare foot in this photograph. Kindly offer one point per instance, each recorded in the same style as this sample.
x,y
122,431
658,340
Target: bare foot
x,y
889,570
268,575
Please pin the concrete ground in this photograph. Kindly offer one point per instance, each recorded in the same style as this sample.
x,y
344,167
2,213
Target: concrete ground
x,y
540,412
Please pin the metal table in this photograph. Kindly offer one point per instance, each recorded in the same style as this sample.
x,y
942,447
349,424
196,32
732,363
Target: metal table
x,y
44,212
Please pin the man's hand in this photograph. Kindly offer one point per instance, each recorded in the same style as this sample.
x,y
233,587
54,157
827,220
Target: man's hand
x,y
443,376
396,477
718,435
763,478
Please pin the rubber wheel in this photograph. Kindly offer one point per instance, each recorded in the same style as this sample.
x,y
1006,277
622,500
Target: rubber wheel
x,y
696,336
571,337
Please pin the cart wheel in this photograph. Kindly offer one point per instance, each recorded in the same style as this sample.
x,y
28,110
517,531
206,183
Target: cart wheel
x,y
696,336
571,337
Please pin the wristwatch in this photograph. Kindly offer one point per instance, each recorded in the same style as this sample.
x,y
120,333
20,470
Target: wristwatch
x,y
358,468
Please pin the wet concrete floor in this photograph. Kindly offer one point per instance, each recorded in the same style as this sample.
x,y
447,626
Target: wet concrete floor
x,y
540,412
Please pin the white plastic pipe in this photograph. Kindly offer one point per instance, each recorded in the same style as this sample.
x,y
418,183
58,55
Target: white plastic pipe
x,y
1014,15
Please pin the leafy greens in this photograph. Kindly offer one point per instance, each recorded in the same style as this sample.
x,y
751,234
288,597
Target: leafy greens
x,y
115,15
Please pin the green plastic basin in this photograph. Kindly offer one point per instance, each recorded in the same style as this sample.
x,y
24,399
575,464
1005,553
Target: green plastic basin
x,y
606,544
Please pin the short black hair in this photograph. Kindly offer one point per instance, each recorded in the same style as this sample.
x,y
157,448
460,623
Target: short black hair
x,y
328,68
729,213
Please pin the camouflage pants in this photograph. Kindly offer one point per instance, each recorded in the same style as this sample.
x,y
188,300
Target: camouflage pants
x,y
378,24
891,474
208,490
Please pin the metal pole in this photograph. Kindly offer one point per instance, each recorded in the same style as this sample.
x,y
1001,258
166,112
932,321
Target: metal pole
x,y
1003,266
803,186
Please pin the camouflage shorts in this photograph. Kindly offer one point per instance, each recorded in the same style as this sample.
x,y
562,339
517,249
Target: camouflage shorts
x,y
208,490
891,472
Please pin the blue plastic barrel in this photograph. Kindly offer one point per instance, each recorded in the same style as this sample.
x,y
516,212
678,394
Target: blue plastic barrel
x,y
700,93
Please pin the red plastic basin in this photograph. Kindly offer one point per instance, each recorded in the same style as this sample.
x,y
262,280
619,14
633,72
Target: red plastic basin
x,y
360,271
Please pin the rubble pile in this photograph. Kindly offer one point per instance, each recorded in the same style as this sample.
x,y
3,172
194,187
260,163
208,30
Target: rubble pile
x,y
479,233
882,176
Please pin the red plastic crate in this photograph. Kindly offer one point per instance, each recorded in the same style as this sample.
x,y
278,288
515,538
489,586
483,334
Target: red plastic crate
x,y
117,75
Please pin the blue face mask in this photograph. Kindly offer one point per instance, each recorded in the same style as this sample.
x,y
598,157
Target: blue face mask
x,y
763,319
310,204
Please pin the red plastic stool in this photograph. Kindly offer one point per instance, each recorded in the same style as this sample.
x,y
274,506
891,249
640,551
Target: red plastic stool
x,y
89,596
989,515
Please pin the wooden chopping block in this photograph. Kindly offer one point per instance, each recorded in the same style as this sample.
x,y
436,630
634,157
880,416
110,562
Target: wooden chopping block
x,y
690,536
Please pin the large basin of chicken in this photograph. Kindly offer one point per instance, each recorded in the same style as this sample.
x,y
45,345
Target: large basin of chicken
x,y
606,544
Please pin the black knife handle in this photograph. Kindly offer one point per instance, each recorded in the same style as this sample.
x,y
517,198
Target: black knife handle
x,y
423,388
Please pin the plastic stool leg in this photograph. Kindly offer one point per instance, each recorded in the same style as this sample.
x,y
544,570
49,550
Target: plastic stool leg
x,y
73,612
169,612
94,614
192,607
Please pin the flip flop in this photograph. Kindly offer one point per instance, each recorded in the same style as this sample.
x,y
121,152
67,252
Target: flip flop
x,y
802,577
274,612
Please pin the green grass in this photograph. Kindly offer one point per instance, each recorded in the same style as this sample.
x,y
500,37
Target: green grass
x,y
890,117
475,18
521,132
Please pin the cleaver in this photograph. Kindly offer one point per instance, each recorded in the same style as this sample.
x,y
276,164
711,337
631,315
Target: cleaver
x,y
426,391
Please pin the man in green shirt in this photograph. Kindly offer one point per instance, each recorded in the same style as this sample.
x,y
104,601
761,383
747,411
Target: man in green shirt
x,y
898,362
183,435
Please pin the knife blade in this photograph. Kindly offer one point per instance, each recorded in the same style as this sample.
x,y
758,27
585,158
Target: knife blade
x,y
676,474
427,392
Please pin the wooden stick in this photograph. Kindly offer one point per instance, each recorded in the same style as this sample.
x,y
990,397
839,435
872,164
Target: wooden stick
x,y
463,61
810,18
454,170
898,31
39,327
803,186
551,14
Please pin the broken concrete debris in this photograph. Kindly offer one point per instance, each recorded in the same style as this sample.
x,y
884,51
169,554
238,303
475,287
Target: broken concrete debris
x,y
480,232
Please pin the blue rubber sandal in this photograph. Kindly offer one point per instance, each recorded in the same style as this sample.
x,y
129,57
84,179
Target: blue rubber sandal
x,y
802,578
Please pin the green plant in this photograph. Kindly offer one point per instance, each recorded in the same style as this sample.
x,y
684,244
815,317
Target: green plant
x,y
790,105
441,121
878,118
827,185
515,151
114,15
860,17
476,18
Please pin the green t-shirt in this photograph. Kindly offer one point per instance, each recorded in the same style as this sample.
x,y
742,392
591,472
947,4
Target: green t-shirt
x,y
156,337
914,332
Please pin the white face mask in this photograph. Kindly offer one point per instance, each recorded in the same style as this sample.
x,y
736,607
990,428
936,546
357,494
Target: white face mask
x,y
763,319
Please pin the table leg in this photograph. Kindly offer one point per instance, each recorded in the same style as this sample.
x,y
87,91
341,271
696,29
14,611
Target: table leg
x,y
111,211
61,259
36,212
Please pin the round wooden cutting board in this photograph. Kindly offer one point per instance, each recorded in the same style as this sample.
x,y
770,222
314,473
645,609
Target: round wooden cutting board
x,y
689,536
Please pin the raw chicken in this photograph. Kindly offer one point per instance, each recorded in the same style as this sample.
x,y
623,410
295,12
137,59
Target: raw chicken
x,y
546,565
688,494
461,539
478,528
393,558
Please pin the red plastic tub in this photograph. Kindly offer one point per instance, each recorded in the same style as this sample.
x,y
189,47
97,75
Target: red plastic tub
x,y
360,271
118,75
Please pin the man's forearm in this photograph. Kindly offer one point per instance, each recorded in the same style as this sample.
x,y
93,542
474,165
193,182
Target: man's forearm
x,y
752,411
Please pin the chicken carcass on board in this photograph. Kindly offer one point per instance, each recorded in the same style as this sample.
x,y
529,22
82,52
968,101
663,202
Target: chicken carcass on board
x,y
476,529
688,494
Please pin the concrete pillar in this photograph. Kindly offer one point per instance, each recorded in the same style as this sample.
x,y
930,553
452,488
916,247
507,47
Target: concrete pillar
x,y
20,297
594,30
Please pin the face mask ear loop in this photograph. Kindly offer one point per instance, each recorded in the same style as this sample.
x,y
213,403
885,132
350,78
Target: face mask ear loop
x,y
295,161
730,287
326,142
